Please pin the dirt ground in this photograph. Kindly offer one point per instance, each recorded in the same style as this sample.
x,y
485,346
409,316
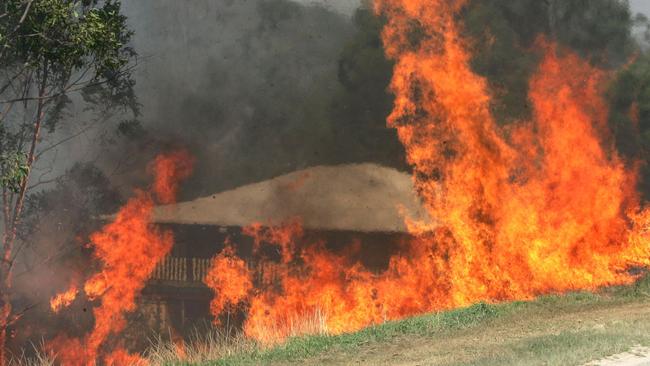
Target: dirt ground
x,y
476,346
638,356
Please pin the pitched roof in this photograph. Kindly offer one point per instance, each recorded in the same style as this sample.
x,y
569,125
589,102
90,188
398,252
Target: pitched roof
x,y
358,197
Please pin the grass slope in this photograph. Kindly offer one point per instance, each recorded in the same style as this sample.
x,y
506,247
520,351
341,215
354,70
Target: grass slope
x,y
568,329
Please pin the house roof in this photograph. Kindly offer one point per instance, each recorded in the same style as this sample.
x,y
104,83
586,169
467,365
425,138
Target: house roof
x,y
358,197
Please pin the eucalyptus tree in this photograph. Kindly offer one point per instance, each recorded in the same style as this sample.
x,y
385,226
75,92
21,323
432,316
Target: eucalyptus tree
x,y
52,53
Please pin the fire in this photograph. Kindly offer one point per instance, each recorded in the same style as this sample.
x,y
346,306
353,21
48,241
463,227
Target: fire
x,y
544,206
63,299
169,171
229,277
128,250
547,206
122,358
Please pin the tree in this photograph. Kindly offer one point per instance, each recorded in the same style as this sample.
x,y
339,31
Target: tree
x,y
503,35
629,97
52,52
360,108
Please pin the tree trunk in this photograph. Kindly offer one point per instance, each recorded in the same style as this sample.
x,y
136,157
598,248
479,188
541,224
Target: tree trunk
x,y
9,235
4,293
5,311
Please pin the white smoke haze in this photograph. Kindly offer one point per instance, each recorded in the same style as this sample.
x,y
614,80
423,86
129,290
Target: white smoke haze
x,y
346,7
640,6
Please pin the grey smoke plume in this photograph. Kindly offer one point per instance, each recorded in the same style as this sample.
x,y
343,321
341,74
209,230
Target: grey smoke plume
x,y
242,84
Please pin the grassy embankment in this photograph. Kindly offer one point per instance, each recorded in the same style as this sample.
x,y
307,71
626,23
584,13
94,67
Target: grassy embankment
x,y
568,329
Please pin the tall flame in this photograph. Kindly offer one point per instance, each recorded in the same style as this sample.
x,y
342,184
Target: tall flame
x,y
230,278
64,299
168,171
545,206
128,250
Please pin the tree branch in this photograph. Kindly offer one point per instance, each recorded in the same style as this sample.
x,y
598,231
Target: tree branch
x,y
73,87
20,314
11,80
40,113
63,141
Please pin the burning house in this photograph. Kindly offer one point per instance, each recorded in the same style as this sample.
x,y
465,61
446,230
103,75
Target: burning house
x,y
524,126
362,205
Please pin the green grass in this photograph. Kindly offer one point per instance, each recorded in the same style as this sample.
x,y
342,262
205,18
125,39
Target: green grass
x,y
303,347
560,349
568,346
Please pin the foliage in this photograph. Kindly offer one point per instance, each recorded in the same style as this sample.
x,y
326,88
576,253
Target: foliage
x,y
598,29
14,169
50,49
503,36
629,97
65,36
504,33
360,109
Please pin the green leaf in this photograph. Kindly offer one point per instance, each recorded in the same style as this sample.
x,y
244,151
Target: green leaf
x,y
13,171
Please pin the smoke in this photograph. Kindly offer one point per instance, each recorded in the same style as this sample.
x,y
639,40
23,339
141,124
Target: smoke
x,y
346,7
255,89
239,83
640,6
242,84
51,252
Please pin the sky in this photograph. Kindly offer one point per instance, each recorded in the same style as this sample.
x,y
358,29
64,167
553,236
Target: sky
x,y
640,6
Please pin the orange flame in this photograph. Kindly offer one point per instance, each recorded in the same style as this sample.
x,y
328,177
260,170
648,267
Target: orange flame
x,y
122,358
545,206
63,299
228,276
169,170
549,210
128,249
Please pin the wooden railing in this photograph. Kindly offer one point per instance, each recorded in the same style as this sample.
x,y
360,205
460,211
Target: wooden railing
x,y
200,268
194,270
172,269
